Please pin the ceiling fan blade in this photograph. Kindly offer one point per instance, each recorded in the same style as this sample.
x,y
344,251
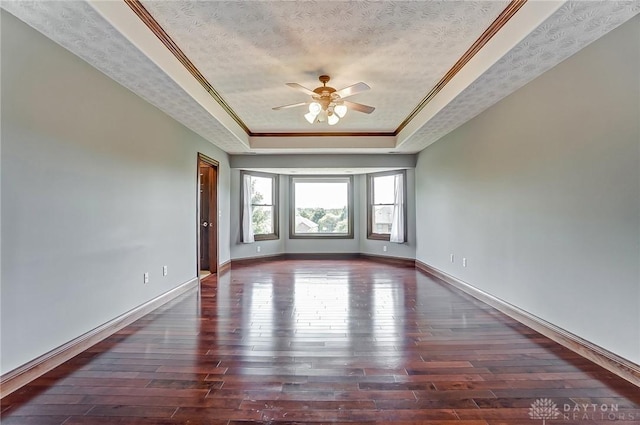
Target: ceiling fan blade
x,y
351,90
301,88
359,107
293,105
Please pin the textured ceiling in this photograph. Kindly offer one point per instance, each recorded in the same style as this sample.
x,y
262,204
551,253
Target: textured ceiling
x,y
248,50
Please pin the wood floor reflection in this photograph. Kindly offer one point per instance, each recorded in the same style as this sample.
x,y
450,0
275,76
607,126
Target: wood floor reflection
x,y
351,341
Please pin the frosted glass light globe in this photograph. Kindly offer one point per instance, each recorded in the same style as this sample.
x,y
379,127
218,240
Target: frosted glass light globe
x,y
340,110
315,108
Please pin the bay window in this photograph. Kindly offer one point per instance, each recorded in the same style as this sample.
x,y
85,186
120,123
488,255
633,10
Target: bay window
x,y
321,207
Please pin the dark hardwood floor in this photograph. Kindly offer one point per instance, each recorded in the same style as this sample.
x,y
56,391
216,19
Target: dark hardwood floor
x,y
324,342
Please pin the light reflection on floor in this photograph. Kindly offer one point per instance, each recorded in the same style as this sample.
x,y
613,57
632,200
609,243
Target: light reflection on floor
x,y
334,314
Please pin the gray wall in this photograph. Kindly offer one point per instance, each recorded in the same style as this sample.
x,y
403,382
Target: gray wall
x,y
542,194
360,243
98,187
394,161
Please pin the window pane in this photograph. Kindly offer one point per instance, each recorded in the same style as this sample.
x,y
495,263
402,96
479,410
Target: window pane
x,y
261,190
262,218
382,218
383,190
321,207
263,204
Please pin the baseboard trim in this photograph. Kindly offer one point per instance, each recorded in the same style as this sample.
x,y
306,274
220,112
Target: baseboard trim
x,y
608,360
397,261
224,267
322,256
247,261
17,378
394,261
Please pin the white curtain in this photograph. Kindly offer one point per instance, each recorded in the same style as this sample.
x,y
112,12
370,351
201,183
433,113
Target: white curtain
x,y
247,223
397,225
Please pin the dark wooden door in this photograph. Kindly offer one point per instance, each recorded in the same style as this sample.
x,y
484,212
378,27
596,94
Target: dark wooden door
x,y
208,215
205,218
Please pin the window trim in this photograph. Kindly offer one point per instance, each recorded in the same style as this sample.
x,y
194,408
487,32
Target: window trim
x,y
384,236
276,204
292,207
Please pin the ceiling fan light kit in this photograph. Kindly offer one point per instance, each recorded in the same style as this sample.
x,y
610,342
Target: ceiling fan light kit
x,y
311,117
327,103
315,108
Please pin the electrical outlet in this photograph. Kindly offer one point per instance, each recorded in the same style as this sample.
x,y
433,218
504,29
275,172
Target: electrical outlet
x,y
258,248
464,262
164,270
146,278
451,257
384,248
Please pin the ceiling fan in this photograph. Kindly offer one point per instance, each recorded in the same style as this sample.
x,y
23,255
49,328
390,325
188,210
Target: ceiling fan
x,y
328,104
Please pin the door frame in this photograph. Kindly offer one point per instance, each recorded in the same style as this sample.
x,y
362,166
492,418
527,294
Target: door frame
x,y
213,201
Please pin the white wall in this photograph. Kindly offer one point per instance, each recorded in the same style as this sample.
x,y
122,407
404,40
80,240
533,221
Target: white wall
x,y
542,194
98,187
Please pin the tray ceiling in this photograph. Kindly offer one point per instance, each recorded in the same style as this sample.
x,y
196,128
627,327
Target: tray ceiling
x,y
249,50
245,52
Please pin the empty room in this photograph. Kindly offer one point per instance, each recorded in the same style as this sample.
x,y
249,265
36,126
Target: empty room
x,y
301,212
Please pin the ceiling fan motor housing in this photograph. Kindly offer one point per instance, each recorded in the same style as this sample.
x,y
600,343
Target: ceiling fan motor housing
x,y
325,94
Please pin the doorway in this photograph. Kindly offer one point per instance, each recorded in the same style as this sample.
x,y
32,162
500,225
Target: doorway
x,y
207,216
